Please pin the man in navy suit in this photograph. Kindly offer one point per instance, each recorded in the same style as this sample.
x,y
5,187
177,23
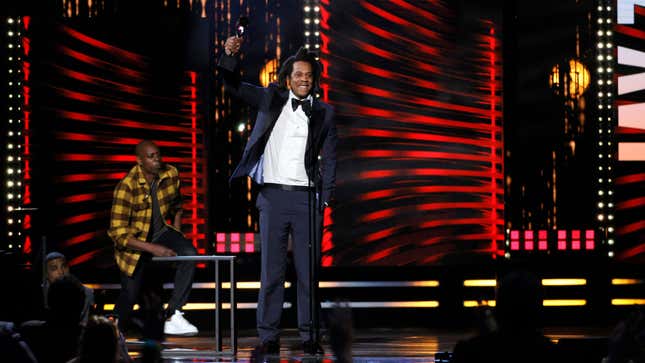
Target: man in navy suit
x,y
291,156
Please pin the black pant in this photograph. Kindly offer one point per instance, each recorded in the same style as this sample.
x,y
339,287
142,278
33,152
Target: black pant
x,y
283,212
145,286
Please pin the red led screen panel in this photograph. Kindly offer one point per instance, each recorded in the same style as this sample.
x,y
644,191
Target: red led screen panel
x,y
93,102
417,91
629,36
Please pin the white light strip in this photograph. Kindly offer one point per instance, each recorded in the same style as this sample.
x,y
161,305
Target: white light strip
x,y
480,283
12,147
255,285
386,304
312,19
288,305
627,302
393,304
360,284
625,281
479,303
605,61
564,282
564,302
205,306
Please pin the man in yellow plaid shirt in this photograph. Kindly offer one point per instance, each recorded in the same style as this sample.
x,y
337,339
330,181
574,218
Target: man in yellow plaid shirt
x,y
143,201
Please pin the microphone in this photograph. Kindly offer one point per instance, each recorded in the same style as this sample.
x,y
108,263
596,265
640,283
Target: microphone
x,y
242,25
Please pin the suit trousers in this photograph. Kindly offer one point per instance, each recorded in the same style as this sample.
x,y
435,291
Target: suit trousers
x,y
282,213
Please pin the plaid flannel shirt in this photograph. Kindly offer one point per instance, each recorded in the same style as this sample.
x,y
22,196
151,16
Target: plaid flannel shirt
x,y
131,213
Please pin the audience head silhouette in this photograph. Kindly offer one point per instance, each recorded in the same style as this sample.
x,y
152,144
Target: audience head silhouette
x,y
100,341
518,338
66,301
627,341
519,301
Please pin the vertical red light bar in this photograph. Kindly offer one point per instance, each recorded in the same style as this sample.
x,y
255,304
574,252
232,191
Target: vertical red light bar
x,y
327,242
590,236
562,240
515,240
26,155
542,243
575,239
529,242
493,144
193,149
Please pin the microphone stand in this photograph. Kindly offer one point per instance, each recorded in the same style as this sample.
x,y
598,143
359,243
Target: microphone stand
x,y
313,256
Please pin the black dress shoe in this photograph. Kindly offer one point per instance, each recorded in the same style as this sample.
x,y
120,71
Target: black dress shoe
x,y
312,348
271,347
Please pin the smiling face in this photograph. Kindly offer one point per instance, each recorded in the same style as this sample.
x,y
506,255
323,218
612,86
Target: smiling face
x,y
301,79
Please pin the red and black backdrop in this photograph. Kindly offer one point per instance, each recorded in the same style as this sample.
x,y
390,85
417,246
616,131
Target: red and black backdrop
x,y
425,134
417,90
630,131
96,89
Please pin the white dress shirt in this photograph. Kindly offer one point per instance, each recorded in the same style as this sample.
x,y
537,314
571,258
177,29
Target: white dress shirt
x,y
284,153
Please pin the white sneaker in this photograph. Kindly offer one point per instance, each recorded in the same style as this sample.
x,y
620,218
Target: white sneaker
x,y
178,325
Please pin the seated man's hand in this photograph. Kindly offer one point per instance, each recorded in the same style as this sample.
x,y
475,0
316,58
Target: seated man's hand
x,y
161,251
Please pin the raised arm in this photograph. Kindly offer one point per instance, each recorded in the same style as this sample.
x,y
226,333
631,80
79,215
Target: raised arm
x,y
229,66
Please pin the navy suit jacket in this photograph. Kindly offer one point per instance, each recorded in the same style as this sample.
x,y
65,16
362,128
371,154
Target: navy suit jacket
x,y
320,153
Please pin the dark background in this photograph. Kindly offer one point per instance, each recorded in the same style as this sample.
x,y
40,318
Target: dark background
x,y
537,124
530,161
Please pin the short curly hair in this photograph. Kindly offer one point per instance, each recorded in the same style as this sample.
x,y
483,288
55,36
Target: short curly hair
x,y
302,55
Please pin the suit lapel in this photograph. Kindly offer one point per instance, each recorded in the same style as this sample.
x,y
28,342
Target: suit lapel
x,y
266,124
277,104
317,121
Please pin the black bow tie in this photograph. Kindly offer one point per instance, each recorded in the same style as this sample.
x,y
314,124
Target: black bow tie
x,y
306,105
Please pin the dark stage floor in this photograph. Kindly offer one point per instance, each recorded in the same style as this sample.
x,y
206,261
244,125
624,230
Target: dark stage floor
x,y
373,345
